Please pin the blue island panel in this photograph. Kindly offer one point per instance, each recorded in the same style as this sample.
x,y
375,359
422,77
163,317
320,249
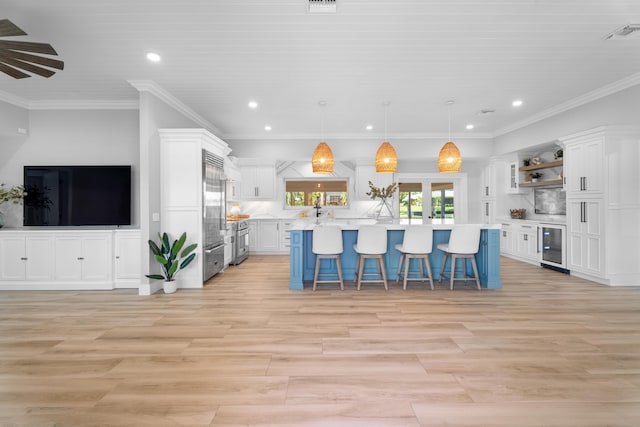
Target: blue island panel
x,y
302,259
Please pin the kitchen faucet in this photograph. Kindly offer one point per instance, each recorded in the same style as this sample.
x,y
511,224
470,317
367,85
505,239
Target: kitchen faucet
x,y
317,207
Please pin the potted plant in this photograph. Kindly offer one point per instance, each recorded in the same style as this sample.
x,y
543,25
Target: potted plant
x,y
14,195
382,193
535,176
526,162
172,258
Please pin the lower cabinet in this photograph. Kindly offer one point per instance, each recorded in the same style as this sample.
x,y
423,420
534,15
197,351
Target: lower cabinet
x,y
269,236
520,241
83,257
74,259
127,245
26,258
585,244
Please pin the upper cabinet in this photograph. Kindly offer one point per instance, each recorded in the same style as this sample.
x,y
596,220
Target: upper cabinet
x,y
489,181
584,168
258,182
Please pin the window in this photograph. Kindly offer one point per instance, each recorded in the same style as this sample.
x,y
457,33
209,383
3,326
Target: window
x,y
442,200
306,192
410,199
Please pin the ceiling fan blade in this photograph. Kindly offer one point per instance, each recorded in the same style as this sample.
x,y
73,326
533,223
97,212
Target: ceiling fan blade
x,y
40,60
45,48
26,66
8,28
16,74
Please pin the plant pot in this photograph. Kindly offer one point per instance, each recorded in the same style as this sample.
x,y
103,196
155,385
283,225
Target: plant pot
x,y
534,179
169,286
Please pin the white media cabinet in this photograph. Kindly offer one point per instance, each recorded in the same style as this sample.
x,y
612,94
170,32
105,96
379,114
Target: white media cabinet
x,y
70,259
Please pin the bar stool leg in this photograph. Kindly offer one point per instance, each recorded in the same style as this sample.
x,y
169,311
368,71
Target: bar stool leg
x,y
475,271
339,268
384,273
402,255
317,271
453,268
426,261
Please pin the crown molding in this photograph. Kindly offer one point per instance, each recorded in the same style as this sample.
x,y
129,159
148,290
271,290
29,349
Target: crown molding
x,y
85,104
588,97
269,136
160,93
14,100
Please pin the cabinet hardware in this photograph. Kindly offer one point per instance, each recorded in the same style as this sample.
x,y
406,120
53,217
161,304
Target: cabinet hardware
x,y
585,183
538,239
23,258
80,258
526,237
117,257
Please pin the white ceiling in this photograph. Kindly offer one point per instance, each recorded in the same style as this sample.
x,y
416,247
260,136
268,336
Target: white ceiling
x,y
417,54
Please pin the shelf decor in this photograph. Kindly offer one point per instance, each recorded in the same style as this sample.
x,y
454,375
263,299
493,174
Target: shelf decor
x,y
14,195
383,193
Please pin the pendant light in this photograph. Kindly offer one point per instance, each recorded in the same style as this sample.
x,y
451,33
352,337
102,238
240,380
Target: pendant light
x,y
449,159
322,159
386,158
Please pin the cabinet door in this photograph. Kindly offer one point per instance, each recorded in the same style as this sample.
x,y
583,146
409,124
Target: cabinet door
x,y
39,254
584,167
96,254
506,239
253,236
488,212
488,181
269,236
128,255
12,258
258,182
585,244
68,264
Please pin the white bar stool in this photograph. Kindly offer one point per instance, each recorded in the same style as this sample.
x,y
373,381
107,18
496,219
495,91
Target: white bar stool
x,y
417,243
371,243
327,244
464,243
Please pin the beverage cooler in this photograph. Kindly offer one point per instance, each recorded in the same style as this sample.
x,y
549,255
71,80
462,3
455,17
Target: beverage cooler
x,y
554,246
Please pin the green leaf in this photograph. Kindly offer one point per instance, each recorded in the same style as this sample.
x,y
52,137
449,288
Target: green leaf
x,y
155,276
165,243
188,249
154,248
162,260
172,270
179,244
187,261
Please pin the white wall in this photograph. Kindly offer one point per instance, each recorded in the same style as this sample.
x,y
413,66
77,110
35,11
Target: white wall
x,y
72,137
620,108
14,120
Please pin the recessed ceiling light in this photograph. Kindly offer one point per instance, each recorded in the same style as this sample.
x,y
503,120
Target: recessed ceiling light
x,y
253,104
267,128
153,57
469,126
517,103
369,127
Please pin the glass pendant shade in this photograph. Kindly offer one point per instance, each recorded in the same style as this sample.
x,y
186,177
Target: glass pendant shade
x,y
386,159
449,159
322,160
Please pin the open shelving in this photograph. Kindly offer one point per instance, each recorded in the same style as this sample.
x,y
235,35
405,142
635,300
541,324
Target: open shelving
x,y
545,183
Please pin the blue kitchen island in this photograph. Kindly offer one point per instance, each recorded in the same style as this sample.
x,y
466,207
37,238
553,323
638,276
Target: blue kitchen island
x,y
302,259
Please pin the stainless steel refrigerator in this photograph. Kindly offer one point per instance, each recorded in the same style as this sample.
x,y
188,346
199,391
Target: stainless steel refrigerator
x,y
213,213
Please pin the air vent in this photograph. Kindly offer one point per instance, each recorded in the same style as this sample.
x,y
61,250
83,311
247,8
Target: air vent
x,y
322,6
485,112
627,32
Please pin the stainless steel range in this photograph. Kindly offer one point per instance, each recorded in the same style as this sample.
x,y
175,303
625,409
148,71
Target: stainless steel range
x,y
240,242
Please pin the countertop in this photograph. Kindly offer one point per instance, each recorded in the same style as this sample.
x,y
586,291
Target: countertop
x,y
355,223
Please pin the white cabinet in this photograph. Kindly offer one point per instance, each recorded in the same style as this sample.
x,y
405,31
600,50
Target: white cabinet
x,y
83,257
488,179
526,242
488,211
506,238
585,243
269,236
584,169
258,182
513,176
127,259
25,258
285,236
366,173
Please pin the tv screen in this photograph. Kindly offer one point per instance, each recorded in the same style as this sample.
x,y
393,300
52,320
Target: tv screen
x,y
77,195
550,201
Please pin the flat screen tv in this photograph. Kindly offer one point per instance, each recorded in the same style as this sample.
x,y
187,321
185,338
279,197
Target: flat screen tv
x,y
77,195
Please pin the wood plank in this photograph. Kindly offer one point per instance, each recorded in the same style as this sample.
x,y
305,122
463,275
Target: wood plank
x,y
545,349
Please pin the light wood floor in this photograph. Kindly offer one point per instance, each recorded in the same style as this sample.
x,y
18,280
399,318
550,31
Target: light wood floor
x,y
545,350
